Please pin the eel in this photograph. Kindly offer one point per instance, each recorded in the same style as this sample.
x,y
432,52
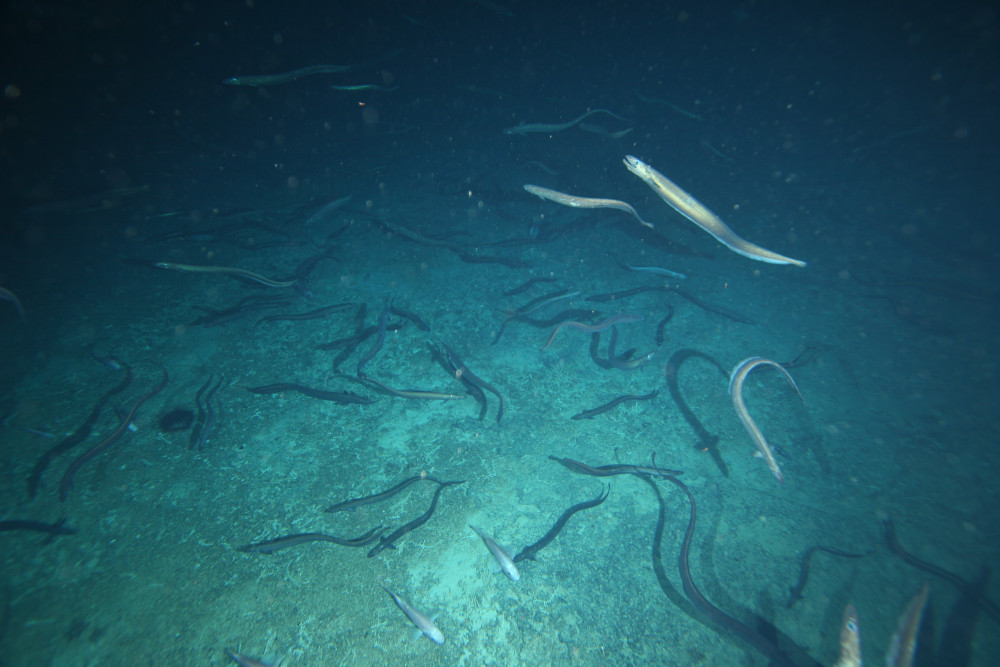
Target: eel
x,y
615,469
199,420
850,639
408,393
661,325
584,202
226,271
413,317
656,270
624,318
990,607
388,541
285,541
78,436
528,285
736,379
383,319
206,417
623,362
245,306
67,481
601,409
528,553
701,603
697,213
377,497
903,644
795,592
286,77
308,315
462,371
338,397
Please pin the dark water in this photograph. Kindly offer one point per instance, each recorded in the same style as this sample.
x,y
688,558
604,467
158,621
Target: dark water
x,y
861,140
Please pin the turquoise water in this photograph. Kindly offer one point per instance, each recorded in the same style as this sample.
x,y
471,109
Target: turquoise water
x,y
864,148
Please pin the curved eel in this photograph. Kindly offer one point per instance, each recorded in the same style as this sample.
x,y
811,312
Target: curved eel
x,y
701,603
624,318
695,211
67,481
10,296
736,379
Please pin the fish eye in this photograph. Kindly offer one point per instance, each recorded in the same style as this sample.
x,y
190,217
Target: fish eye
x,y
852,626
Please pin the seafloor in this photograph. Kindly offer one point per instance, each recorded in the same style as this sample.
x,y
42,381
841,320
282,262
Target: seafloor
x,y
897,418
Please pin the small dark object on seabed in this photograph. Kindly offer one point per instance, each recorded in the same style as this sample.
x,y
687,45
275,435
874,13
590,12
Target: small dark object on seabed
x,y
178,419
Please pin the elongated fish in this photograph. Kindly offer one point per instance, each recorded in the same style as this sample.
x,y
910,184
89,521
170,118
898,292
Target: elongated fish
x,y
503,558
525,128
583,202
226,271
850,639
285,77
620,318
696,212
736,379
422,621
295,74
903,645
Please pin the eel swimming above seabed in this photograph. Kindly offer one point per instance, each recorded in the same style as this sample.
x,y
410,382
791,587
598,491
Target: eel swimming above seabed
x,y
286,77
525,128
696,212
583,202
226,271
736,379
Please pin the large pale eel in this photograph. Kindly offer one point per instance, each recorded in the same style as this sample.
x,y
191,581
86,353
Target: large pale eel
x,y
583,202
739,374
525,128
696,212
226,271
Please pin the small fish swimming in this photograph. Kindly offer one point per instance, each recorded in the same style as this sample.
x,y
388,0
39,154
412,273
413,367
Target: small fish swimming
x,y
503,558
421,621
